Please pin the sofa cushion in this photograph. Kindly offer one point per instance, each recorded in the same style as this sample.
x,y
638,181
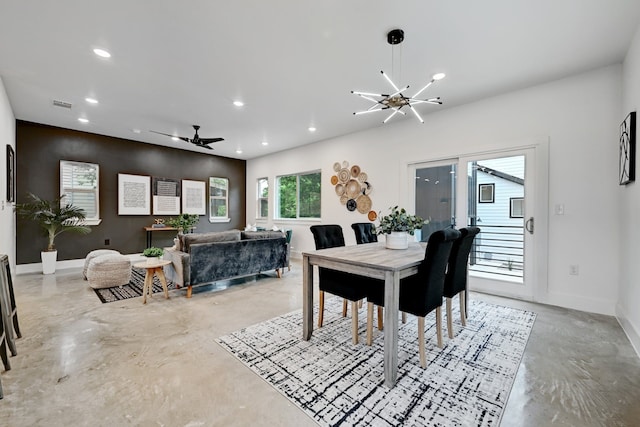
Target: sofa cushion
x,y
217,236
268,234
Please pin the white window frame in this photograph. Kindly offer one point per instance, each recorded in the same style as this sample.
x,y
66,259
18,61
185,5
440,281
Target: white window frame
x,y
260,199
276,214
215,218
66,167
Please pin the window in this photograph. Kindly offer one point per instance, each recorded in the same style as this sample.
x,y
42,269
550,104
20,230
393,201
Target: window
x,y
486,192
516,208
218,200
263,198
298,196
79,186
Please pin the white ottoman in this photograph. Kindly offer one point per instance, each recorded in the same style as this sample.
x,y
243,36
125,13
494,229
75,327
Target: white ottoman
x,y
107,271
91,255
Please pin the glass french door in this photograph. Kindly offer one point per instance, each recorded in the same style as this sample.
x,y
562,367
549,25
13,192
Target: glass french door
x,y
495,192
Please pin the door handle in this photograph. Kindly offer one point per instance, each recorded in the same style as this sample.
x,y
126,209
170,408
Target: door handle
x,y
529,225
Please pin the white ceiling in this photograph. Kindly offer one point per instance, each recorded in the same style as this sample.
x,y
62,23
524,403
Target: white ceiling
x,y
292,62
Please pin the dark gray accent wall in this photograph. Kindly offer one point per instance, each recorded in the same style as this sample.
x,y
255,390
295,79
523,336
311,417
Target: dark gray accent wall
x,y
39,149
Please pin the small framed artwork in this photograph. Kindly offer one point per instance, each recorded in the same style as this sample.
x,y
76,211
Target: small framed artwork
x,y
11,174
486,193
516,207
627,143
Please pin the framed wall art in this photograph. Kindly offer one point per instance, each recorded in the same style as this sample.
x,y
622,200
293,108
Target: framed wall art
x,y
11,174
134,194
627,170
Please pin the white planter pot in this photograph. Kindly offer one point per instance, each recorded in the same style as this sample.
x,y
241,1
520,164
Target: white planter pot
x,y
397,240
49,259
153,259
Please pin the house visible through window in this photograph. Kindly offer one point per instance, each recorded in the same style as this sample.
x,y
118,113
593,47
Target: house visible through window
x,y
263,198
298,196
79,186
218,199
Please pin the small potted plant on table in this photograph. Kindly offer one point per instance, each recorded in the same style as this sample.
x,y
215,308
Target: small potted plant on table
x,y
397,226
153,254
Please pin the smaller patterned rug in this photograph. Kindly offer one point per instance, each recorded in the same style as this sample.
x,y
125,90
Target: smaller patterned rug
x,y
336,383
132,289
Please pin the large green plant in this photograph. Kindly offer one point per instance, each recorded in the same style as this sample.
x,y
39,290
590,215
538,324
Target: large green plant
x,y
399,220
54,216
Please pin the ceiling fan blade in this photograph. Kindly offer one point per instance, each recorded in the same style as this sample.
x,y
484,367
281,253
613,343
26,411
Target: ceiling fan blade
x,y
210,140
165,134
203,146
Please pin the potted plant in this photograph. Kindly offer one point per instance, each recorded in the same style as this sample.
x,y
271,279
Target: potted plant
x,y
183,222
153,254
55,217
397,226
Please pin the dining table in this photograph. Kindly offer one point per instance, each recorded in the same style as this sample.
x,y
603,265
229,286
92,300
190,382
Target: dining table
x,y
371,260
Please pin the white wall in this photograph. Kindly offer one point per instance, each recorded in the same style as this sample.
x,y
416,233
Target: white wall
x,y
578,115
7,217
629,293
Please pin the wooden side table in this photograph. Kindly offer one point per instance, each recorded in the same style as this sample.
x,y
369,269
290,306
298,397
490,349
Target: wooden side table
x,y
153,268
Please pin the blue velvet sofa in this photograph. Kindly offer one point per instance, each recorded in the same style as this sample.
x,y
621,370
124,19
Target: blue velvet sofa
x,y
209,257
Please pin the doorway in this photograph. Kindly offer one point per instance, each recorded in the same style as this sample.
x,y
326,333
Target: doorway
x,y
504,194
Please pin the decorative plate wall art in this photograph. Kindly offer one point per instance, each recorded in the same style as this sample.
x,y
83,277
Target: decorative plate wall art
x,y
353,188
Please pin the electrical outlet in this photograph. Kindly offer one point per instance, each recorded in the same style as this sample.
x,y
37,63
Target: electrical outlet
x,y
559,208
574,270
107,242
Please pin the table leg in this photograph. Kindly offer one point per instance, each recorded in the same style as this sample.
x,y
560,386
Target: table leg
x,y
163,280
391,299
148,284
307,298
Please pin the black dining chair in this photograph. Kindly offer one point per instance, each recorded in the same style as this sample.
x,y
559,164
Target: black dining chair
x,y
422,293
365,232
455,281
345,285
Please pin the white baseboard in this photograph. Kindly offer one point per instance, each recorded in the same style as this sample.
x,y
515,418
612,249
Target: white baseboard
x,y
578,302
628,328
36,267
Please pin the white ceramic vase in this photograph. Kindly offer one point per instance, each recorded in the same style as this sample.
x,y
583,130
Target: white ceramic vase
x,y
397,240
49,259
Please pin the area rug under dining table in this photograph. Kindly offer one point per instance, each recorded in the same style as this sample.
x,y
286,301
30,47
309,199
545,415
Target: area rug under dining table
x,y
336,383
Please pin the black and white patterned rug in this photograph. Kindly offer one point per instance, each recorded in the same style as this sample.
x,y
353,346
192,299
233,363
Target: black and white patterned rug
x,y
132,289
467,383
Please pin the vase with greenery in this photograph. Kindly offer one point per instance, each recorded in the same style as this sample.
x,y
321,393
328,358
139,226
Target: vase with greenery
x,y
183,222
153,254
54,217
397,226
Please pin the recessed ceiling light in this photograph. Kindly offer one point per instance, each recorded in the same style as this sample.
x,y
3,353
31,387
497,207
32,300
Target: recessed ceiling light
x,y
239,151
265,143
91,100
83,120
175,138
102,53
438,76
135,130
312,129
238,103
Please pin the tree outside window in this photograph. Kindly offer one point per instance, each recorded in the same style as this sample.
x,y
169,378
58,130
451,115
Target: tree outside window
x,y
299,196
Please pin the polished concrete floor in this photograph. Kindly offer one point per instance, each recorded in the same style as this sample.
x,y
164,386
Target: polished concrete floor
x,y
84,363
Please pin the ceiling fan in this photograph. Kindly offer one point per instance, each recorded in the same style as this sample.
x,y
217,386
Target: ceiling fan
x,y
196,140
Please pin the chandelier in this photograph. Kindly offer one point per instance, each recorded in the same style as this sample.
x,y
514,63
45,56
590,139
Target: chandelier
x,y
396,101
